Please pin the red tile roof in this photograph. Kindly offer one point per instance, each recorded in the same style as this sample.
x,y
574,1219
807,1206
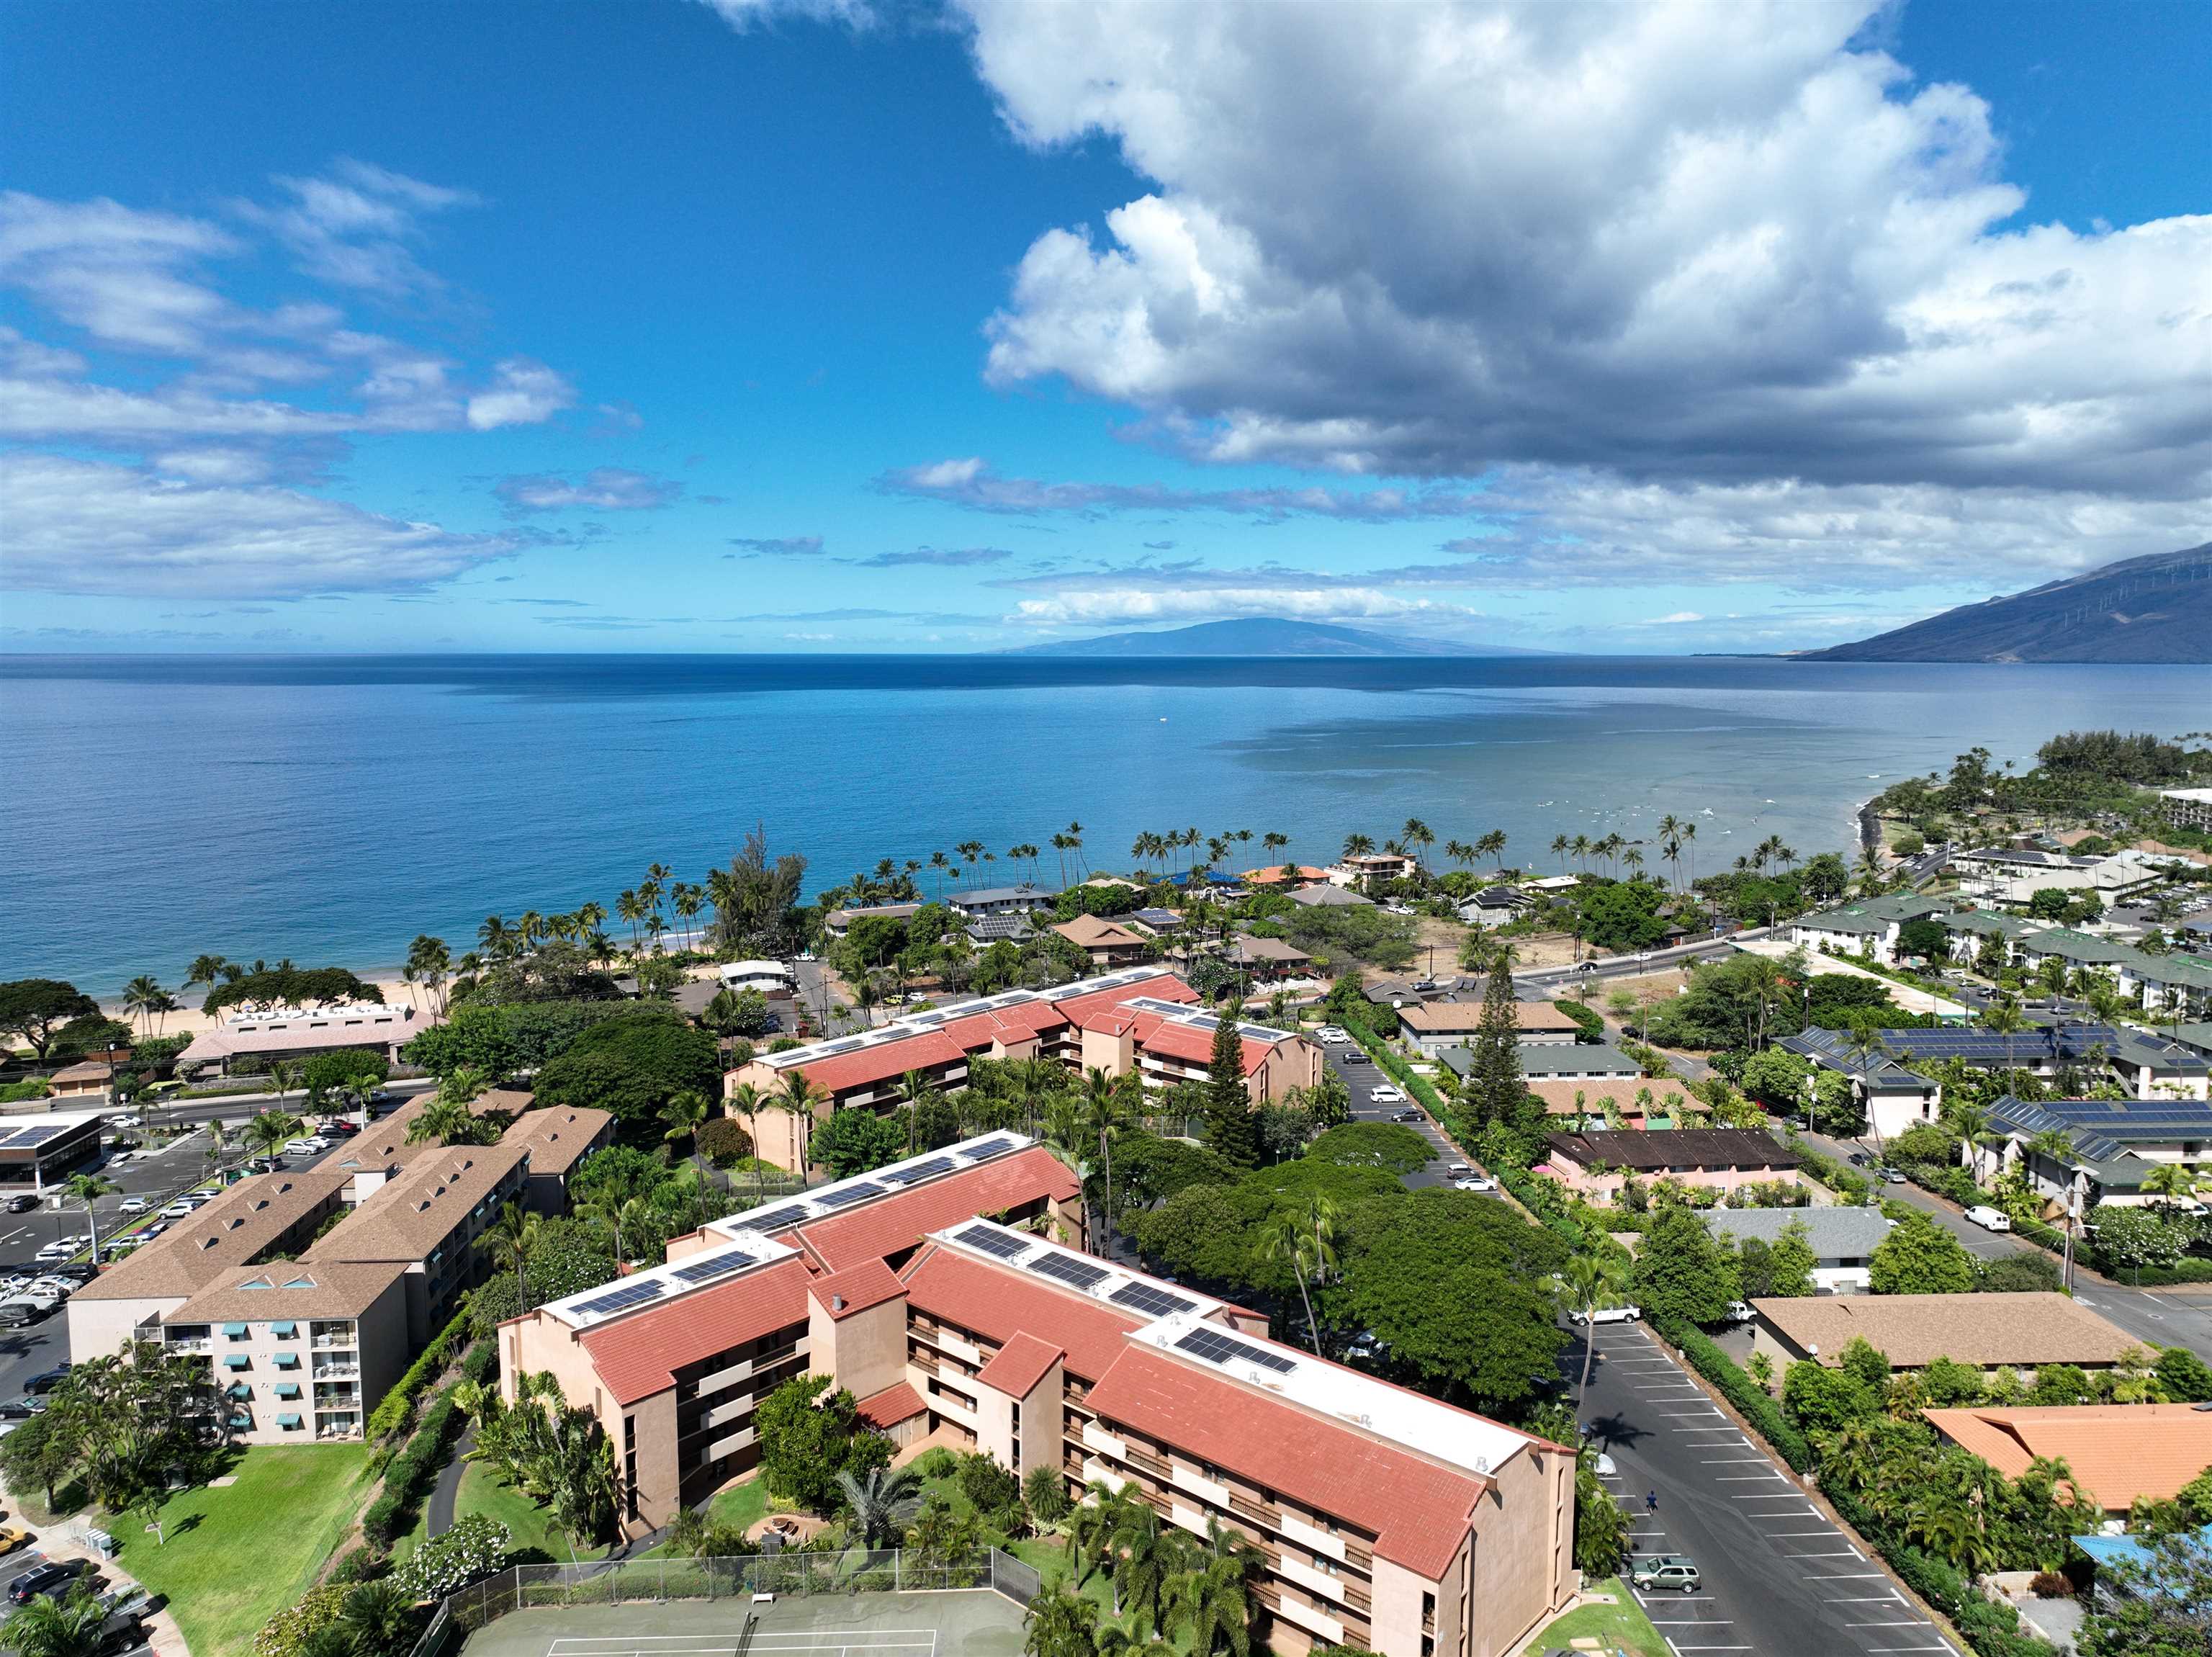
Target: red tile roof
x,y
1417,1511
638,1357
880,1064
877,1230
1021,1364
1164,986
1001,1304
870,1283
897,1403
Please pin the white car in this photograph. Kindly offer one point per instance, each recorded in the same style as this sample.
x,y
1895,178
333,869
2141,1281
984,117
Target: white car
x,y
56,1251
1605,1314
1472,1183
1385,1096
301,1146
1457,1168
1989,1219
136,1204
179,1209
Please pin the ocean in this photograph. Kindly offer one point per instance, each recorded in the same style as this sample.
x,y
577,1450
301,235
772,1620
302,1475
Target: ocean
x,y
328,809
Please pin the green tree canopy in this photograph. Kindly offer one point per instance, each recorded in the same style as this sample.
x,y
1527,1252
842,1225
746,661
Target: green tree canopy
x,y
37,1009
1230,1133
632,1066
853,1141
808,1434
1681,1272
1919,1257
288,986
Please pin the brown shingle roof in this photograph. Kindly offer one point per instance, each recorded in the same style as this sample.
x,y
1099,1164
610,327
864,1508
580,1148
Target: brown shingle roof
x,y
2119,1452
556,1138
1090,932
248,1218
1559,1092
1983,1330
290,1289
1451,1017
409,1217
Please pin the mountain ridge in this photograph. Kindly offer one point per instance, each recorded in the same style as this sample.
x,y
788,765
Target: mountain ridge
x,y
1262,635
2153,609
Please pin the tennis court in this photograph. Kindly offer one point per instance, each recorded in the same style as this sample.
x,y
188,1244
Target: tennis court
x,y
959,1622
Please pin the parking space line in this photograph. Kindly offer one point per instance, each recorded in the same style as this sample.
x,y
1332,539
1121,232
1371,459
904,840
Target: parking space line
x,y
1838,1576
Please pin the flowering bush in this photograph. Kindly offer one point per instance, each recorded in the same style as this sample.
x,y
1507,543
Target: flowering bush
x,y
287,1631
477,1546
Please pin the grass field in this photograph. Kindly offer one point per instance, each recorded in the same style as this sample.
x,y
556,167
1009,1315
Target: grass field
x,y
1622,1627
239,1554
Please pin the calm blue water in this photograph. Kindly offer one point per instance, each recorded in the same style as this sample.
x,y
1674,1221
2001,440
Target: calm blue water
x,y
331,809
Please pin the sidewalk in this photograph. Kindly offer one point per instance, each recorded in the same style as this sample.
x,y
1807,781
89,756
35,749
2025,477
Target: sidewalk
x,y
54,1542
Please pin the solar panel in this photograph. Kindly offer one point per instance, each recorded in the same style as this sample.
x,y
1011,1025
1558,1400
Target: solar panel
x,y
929,1170
1157,1301
705,1271
1217,1348
840,1047
1068,1269
838,1199
778,1220
629,1294
37,1136
990,1148
994,1242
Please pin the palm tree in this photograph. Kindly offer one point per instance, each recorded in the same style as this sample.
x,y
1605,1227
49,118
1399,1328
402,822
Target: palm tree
x,y
1416,835
685,1113
1580,845
1460,852
1559,844
2169,1182
1104,1111
142,995
882,1502
1492,844
1287,1240
1219,1599
916,1089
378,1617
511,1239
1593,1283
1059,1624
58,1627
1271,843
269,1131
218,1132
799,1098
1151,1556
1357,845
286,1072
204,970
448,1121
85,1187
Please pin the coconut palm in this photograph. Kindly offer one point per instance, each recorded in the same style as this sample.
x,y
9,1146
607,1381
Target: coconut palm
x,y
1593,1283
85,1187
882,1501
1059,1624
1219,1600
1103,1112
204,970
286,1073
58,1627
799,1098
511,1239
448,1121
270,1131
1286,1240
143,996
685,1113
1151,1556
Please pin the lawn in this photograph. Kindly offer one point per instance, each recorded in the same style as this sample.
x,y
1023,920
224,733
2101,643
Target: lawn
x,y
239,1554
1622,1627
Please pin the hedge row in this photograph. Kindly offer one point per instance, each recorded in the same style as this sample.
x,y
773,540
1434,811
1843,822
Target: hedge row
x,y
1751,1401
1992,1627
390,1417
410,1474
1592,1025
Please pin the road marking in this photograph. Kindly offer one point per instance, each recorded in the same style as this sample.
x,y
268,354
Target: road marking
x,y
1884,1625
1745,1479
1837,1576
1830,1554
1729,1461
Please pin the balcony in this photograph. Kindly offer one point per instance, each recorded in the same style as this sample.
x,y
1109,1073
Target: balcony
x,y
335,1343
193,1347
1245,1508
1146,1461
337,1372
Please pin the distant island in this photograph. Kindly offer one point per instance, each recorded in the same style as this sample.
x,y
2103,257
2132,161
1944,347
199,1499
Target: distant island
x,y
1262,636
2153,609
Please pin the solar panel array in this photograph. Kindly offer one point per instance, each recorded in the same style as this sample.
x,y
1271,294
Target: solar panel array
x,y
779,1220
25,1137
1217,1348
997,1243
1081,1273
705,1271
621,1300
838,1199
1143,1297
926,1170
990,1148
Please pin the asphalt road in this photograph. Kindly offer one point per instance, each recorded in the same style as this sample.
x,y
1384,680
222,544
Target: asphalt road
x,y
1359,1080
1778,1577
2165,1316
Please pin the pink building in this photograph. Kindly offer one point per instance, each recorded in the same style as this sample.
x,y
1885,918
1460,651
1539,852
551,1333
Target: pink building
x,y
1596,1165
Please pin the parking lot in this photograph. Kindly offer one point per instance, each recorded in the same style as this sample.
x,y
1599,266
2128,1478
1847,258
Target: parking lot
x,y
1361,1075
1778,1576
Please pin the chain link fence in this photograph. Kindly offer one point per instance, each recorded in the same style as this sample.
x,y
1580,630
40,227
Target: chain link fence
x,y
651,1582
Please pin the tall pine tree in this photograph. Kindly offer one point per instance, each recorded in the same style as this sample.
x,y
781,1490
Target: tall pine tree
x,y
1228,1130
1494,1091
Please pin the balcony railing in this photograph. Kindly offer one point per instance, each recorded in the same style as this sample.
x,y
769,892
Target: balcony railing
x,y
192,1347
335,1343
1145,1460
1244,1509
337,1372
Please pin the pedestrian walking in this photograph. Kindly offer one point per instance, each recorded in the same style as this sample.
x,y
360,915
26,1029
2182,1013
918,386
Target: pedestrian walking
x,y
1651,1501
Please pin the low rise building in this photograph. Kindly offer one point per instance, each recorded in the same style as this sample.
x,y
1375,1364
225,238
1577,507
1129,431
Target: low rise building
x,y
250,1040
1283,876
1107,944
1869,926
1330,896
2119,1453
1552,1060
2117,1144
39,1148
1384,1520
1001,900
1989,1332
556,1139
1843,1240
1893,1097
89,1079
1578,1105
1597,1164
2189,808
838,921
1360,871
1496,906
1434,1026
1268,961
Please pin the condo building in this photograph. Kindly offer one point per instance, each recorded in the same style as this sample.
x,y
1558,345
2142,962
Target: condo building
x,y
1385,1519
1143,1020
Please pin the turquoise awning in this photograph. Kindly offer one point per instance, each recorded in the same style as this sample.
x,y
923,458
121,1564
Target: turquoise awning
x,y
236,1331
287,1389
241,1421
237,1360
284,1331
287,1359
240,1391
287,1421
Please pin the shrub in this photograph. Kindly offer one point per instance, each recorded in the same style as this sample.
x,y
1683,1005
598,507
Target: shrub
x,y
1750,1398
286,1633
2050,1585
988,1485
394,1410
723,1141
1046,1492
477,1546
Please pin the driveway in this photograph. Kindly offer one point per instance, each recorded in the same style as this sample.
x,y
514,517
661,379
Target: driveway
x,y
2163,1317
1360,1078
1779,1577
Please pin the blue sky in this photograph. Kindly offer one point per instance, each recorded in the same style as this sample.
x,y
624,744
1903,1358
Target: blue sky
x,y
677,326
